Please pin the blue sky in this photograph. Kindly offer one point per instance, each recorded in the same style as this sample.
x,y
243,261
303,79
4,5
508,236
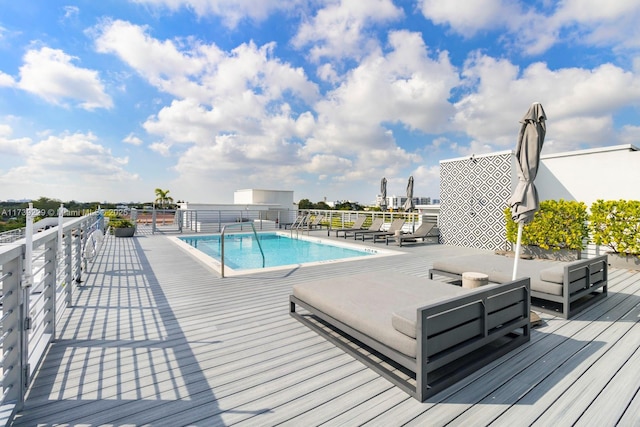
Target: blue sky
x,y
109,100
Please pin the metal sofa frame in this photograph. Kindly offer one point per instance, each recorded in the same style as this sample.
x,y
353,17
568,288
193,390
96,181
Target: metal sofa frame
x,y
584,283
455,337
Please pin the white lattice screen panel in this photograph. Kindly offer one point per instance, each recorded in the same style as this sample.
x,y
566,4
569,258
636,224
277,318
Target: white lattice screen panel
x,y
473,195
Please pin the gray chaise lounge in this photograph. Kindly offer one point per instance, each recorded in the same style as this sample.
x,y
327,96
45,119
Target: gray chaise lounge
x,y
420,334
425,231
375,226
559,288
357,225
396,225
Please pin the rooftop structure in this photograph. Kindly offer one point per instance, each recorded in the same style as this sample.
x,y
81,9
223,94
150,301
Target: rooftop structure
x,y
474,190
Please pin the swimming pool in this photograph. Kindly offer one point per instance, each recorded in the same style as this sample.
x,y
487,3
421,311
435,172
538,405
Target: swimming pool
x,y
242,253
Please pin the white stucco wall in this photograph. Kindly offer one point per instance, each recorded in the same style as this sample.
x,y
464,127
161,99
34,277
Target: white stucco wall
x,y
282,198
609,173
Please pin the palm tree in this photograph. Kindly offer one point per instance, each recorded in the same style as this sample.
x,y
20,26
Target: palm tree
x,y
163,198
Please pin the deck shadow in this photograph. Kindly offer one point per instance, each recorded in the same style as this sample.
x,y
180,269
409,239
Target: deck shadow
x,y
122,355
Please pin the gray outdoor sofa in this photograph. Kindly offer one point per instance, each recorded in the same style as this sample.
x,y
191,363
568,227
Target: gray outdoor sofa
x,y
559,288
420,334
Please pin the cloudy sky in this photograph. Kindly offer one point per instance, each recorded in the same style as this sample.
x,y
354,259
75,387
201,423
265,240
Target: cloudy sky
x,y
108,100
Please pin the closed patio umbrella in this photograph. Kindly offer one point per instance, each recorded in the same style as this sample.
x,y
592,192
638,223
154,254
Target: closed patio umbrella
x,y
408,205
383,194
524,201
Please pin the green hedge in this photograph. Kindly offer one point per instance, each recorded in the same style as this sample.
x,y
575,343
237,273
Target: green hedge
x,y
616,224
558,224
120,223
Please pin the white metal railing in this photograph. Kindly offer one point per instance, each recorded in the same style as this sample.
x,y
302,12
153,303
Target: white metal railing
x,y
213,220
37,274
11,236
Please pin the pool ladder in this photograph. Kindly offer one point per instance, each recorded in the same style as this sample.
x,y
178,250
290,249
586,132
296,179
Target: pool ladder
x,y
222,244
300,223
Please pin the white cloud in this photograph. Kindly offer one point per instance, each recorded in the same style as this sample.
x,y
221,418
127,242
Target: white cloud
x,y
71,11
630,134
161,148
6,80
408,86
464,17
54,165
160,62
340,29
426,180
204,73
51,75
615,25
240,119
132,139
534,28
12,146
579,102
76,153
231,11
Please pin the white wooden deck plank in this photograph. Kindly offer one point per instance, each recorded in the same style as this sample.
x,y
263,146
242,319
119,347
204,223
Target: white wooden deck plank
x,y
585,389
569,347
329,406
309,402
371,408
156,334
631,415
619,391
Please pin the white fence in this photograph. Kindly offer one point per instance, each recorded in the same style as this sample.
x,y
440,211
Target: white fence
x,y
212,220
38,275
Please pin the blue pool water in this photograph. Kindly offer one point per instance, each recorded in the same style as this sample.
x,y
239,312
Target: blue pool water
x,y
241,251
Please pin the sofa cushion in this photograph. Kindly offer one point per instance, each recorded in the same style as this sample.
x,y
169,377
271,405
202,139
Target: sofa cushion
x,y
553,274
366,302
500,270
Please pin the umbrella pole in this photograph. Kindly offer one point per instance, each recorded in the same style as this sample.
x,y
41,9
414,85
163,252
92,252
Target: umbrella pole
x,y
517,253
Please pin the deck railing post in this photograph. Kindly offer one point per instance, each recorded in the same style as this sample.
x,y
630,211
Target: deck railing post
x,y
13,379
49,287
68,266
76,254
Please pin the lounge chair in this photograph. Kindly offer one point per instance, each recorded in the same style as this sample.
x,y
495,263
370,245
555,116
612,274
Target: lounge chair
x,y
396,225
297,223
357,225
317,222
426,230
375,226
420,334
559,288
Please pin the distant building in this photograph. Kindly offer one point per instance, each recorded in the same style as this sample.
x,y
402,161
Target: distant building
x,y
397,202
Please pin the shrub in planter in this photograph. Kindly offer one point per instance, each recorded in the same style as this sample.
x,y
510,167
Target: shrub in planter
x,y
122,227
616,224
557,225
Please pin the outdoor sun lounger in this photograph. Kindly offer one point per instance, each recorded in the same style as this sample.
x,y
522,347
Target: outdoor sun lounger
x,y
396,225
559,288
375,226
420,334
317,222
300,219
426,230
357,225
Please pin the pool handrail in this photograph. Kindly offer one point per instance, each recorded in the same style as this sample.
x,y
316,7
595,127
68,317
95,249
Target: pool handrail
x,y
253,227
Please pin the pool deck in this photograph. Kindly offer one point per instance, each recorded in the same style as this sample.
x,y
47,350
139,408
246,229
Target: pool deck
x,y
156,338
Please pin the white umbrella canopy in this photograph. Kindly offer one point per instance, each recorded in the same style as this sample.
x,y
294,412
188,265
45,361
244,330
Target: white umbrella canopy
x,y
383,194
408,204
524,201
